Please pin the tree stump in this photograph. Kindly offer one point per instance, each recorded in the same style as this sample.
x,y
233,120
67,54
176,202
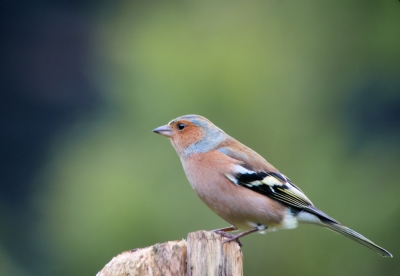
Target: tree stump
x,y
202,254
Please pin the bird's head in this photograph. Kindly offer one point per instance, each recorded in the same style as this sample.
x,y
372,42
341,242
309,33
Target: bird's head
x,y
192,134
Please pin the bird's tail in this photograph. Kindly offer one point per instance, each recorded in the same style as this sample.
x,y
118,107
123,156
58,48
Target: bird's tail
x,y
351,234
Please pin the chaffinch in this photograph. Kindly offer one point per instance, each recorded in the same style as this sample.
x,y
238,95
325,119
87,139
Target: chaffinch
x,y
241,186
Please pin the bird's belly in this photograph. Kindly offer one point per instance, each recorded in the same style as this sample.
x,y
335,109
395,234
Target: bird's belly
x,y
241,207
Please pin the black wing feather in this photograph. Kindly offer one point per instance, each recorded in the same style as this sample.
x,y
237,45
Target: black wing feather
x,y
281,193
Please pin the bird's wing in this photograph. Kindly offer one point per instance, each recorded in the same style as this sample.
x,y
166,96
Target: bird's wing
x,y
270,183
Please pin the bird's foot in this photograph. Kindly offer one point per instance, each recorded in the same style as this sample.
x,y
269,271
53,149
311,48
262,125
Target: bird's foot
x,y
229,236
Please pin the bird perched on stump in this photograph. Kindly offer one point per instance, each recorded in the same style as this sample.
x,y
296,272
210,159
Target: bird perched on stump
x,y
241,187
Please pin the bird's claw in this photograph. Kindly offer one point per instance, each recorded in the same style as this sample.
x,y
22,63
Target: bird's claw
x,y
229,236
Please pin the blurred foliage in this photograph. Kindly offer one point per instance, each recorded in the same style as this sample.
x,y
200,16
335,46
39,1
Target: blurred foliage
x,y
312,86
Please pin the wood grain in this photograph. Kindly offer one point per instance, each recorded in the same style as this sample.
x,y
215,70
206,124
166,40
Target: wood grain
x,y
207,256
202,254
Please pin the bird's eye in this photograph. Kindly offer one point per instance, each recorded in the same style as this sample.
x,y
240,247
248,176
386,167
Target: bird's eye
x,y
181,126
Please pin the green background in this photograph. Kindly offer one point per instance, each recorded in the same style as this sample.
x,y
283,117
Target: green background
x,y
313,86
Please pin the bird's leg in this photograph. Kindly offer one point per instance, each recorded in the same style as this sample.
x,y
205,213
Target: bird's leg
x,y
224,232
225,229
236,237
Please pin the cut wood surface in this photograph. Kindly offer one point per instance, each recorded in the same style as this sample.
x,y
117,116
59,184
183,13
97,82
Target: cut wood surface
x,y
202,254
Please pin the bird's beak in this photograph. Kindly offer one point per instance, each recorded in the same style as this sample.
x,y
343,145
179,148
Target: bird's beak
x,y
164,131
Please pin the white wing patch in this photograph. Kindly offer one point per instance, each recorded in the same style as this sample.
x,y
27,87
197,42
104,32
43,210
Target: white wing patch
x,y
254,183
271,181
232,178
239,169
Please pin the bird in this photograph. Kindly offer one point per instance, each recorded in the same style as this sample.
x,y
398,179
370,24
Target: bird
x,y
241,187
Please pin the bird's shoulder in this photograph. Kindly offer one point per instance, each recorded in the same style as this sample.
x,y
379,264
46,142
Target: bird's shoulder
x,y
247,157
